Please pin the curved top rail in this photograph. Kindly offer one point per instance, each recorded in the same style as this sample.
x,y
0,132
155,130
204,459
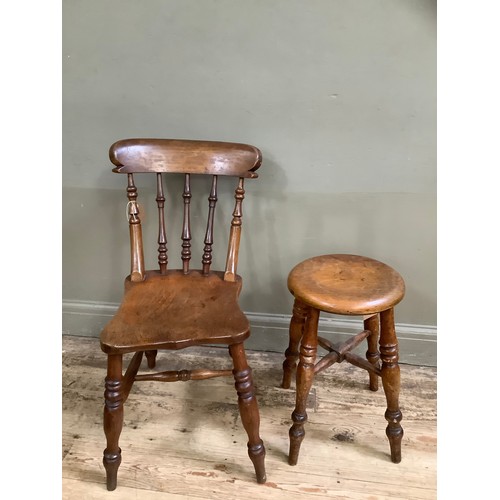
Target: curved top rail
x,y
185,156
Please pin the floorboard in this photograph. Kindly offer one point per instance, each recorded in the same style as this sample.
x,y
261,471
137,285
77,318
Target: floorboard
x,y
185,439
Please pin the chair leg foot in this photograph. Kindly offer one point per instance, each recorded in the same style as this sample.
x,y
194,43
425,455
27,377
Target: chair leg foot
x,y
257,454
111,463
249,410
113,419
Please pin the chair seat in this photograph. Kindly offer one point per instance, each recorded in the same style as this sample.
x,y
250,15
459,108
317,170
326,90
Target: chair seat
x,y
346,284
174,311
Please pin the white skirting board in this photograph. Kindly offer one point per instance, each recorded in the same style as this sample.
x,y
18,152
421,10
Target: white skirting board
x,y
417,343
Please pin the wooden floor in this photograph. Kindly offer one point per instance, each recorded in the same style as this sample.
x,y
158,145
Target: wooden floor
x,y
185,439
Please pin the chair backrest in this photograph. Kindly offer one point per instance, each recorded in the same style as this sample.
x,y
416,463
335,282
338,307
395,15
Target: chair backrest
x,y
187,157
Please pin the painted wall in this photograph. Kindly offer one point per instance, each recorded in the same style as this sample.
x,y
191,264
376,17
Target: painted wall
x,y
340,96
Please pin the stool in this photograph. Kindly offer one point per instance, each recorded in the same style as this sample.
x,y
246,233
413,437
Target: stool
x,y
347,285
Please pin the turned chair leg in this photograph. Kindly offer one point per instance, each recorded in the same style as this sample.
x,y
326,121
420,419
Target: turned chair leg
x,y
304,380
391,382
113,418
249,410
292,353
372,354
151,357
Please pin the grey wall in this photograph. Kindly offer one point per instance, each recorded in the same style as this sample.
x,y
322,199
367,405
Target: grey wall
x,y
339,96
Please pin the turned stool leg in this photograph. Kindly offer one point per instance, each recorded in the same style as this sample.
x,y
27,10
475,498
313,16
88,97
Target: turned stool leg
x,y
372,354
249,410
304,380
391,382
113,418
292,353
151,357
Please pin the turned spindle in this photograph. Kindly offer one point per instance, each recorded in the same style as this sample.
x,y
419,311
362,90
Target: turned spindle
x,y
137,270
209,235
186,226
162,238
235,233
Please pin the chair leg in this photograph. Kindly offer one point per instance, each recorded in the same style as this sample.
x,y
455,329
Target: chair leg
x,y
391,382
292,353
372,354
151,357
305,377
113,418
249,410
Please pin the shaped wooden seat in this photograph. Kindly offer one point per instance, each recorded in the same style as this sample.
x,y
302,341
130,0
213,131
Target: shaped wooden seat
x,y
346,285
153,315
173,309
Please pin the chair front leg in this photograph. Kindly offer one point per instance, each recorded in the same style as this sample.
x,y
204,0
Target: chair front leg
x,y
113,418
249,410
391,382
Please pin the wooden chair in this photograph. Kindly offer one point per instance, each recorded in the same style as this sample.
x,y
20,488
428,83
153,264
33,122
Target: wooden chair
x,y
178,308
345,285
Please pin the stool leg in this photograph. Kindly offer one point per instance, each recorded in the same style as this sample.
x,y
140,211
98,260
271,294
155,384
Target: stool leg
x,y
113,419
249,410
372,354
391,382
292,353
305,377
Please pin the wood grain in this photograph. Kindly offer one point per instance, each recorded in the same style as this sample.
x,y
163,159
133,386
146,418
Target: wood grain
x,y
185,156
154,313
346,284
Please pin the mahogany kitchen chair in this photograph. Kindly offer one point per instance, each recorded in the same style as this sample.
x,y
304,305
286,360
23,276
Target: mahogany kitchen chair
x,y
177,308
346,285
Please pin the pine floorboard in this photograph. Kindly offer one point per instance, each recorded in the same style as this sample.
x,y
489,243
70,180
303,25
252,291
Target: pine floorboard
x,y
185,439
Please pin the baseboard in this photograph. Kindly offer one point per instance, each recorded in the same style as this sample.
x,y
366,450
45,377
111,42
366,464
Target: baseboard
x,y
417,343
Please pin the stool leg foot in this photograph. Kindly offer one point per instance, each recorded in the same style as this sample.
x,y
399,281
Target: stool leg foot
x,y
372,354
391,382
305,377
292,353
296,435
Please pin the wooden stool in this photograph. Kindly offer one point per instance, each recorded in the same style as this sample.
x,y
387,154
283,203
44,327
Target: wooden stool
x,y
348,285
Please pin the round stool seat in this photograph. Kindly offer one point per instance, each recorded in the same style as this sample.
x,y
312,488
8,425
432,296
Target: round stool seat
x,y
346,284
